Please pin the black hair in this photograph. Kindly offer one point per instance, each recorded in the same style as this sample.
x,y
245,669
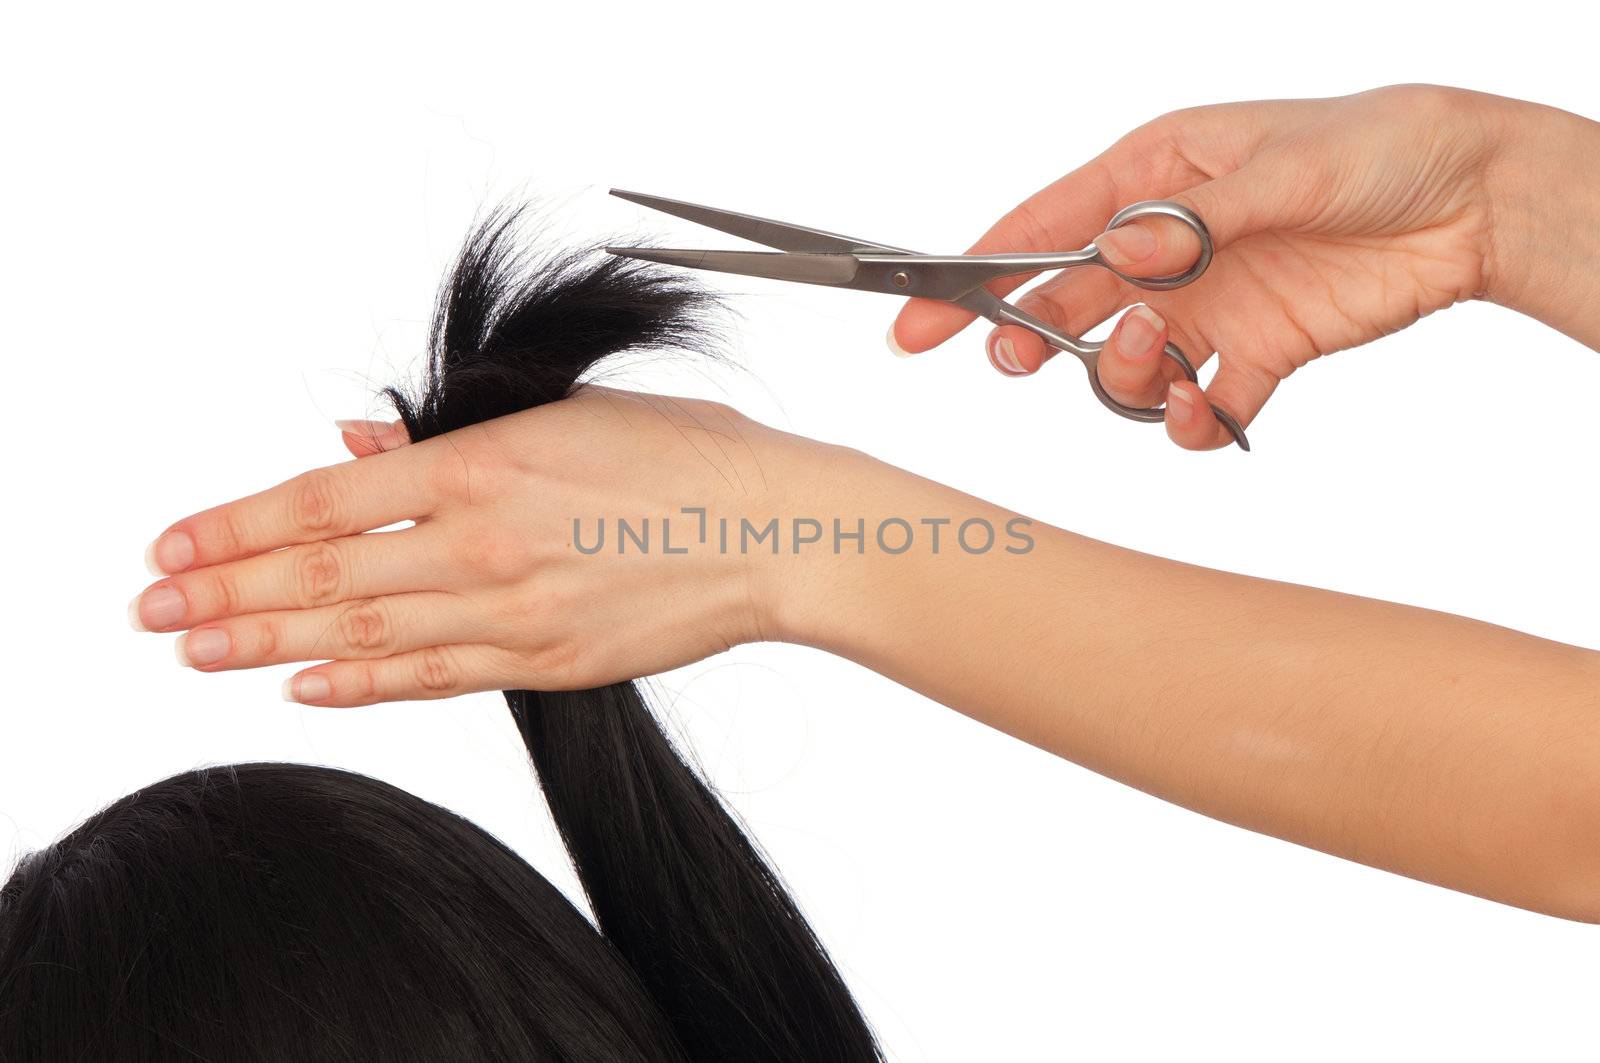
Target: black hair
x,y
289,912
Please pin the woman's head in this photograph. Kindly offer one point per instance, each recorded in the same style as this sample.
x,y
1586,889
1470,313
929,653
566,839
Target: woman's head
x,y
279,911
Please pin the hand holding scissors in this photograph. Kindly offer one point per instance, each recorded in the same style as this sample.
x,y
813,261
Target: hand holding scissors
x,y
813,256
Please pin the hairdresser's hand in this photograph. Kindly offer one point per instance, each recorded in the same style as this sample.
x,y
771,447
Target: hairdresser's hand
x,y
1336,221
487,591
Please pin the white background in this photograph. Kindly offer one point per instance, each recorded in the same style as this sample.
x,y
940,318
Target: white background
x,y
221,230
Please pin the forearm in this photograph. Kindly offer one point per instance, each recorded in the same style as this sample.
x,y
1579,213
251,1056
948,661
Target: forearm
x,y
1438,747
1545,257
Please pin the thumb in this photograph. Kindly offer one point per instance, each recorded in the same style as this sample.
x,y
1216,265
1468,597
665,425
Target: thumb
x,y
1232,207
365,438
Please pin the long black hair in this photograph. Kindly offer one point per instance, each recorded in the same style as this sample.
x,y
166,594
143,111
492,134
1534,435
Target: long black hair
x,y
292,912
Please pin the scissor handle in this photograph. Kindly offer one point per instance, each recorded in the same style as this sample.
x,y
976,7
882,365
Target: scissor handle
x,y
1168,209
1091,362
1088,352
1091,359
1148,414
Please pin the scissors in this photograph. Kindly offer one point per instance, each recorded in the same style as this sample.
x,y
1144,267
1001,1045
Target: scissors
x,y
812,256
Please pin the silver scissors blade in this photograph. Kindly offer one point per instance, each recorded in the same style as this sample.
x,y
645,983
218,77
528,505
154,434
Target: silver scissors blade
x,y
940,277
782,235
838,270
930,277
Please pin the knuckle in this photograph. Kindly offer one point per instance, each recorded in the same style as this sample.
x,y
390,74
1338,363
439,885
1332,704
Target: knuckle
x,y
1131,391
223,591
1118,372
1029,230
1040,305
435,670
365,626
494,554
224,535
721,413
473,469
1163,132
446,477
267,640
1418,97
363,684
1181,123
314,502
1165,126
1258,378
555,663
317,575
544,610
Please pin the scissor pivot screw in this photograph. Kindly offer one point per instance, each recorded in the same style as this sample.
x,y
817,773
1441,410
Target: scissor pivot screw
x,y
901,280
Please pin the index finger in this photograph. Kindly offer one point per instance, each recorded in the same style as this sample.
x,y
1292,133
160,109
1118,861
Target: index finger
x,y
1068,213
327,503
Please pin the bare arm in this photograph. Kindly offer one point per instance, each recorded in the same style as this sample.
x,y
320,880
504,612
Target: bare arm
x,y
1449,750
1438,747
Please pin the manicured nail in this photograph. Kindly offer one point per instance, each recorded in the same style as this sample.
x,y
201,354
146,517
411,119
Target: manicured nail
x,y
173,552
208,645
894,345
155,609
384,435
1004,354
303,688
1180,407
1141,327
1126,244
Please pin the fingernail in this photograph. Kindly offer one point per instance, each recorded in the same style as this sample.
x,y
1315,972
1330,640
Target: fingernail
x,y
173,552
894,345
1004,354
384,435
158,608
1140,329
1180,407
302,688
1126,244
207,645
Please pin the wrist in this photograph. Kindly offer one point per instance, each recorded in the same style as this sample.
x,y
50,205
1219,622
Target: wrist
x,y
1544,243
893,550
794,587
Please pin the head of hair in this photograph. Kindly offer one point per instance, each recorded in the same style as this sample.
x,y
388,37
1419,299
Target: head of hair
x,y
289,912
273,911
